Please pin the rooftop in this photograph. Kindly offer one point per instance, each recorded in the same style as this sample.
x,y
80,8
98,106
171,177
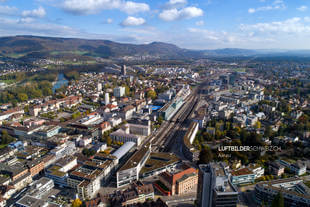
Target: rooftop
x,y
189,134
243,171
122,133
55,170
120,152
291,189
136,158
159,160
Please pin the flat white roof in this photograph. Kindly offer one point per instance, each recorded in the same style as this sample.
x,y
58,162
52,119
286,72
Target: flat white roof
x,y
120,152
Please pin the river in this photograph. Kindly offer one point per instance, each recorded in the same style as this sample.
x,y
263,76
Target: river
x,y
61,80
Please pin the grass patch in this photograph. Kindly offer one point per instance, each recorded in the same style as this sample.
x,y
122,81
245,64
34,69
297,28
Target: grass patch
x,y
16,55
240,70
2,146
75,52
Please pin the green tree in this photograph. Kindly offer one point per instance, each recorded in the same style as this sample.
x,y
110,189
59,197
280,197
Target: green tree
x,y
205,155
88,152
76,115
258,125
26,109
278,200
108,140
268,131
127,90
160,119
151,94
47,91
22,97
77,203
6,138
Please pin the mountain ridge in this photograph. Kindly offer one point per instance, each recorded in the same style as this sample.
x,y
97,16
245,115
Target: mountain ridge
x,y
28,46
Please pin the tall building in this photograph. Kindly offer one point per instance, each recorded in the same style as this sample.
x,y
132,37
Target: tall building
x,y
99,87
124,70
119,92
106,98
214,187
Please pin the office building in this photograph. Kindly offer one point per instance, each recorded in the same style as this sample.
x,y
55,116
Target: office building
x,y
129,172
107,98
99,87
299,168
214,187
242,176
294,191
119,92
124,70
59,171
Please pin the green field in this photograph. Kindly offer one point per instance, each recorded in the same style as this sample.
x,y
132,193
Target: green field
x,y
240,70
75,52
16,55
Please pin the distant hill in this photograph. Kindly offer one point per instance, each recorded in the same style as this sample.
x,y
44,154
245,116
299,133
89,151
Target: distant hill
x,y
43,47
40,47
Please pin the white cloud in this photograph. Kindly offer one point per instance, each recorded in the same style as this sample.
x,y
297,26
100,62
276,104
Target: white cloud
x,y
175,4
7,10
200,23
290,26
220,37
277,5
206,34
133,21
307,19
302,8
29,26
131,7
251,10
83,7
109,20
39,12
185,13
26,20
178,2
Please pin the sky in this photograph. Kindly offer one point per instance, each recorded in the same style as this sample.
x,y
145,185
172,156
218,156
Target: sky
x,y
191,24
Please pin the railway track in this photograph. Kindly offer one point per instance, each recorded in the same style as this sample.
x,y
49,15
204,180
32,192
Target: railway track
x,y
181,124
169,127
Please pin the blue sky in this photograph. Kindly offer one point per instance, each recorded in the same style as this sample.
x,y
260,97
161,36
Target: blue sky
x,y
193,24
